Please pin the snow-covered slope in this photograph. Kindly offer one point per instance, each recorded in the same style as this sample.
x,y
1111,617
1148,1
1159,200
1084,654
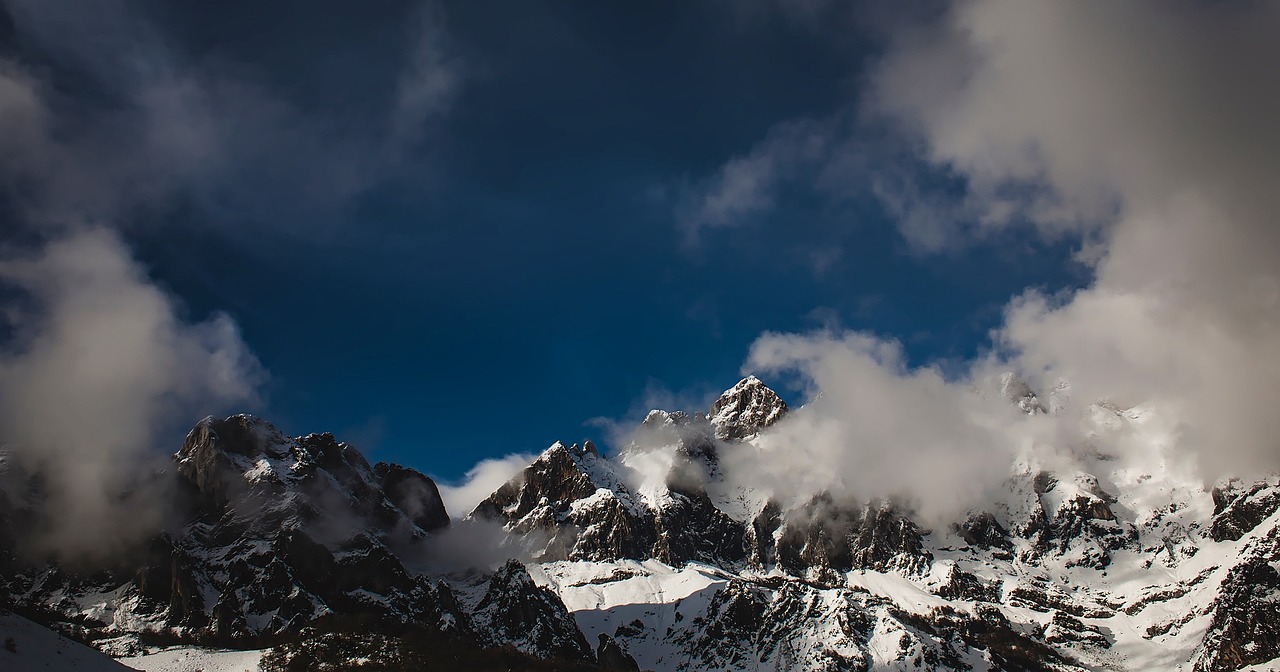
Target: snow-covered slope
x,y
28,647
196,659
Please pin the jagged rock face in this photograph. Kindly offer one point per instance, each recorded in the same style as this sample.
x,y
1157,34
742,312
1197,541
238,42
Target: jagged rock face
x,y
830,535
983,530
733,617
610,529
1064,571
288,535
270,482
1237,510
691,528
590,510
1070,518
962,585
613,658
294,530
744,623
761,536
1043,580
745,409
285,533
580,502
572,497
515,611
1064,628
556,477
1244,626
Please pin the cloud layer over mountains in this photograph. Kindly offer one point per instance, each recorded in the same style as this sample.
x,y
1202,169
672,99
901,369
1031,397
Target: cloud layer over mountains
x,y
1142,131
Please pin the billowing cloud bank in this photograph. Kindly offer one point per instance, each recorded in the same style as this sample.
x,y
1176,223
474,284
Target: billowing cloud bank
x,y
98,364
1145,131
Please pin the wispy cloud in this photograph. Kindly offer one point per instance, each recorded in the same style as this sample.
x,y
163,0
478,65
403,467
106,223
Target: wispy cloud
x,y
163,124
745,188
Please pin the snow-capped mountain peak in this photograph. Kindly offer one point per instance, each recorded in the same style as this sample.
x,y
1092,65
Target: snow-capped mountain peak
x,y
745,409
1095,562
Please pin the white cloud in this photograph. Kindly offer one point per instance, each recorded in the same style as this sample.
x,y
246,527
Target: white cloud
x,y
1150,126
481,481
428,83
1144,131
874,427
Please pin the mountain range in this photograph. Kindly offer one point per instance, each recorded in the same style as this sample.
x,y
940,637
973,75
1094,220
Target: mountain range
x,y
658,557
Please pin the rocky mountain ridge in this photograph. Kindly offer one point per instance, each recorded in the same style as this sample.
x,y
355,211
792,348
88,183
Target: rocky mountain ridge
x,y
1105,568
646,559
283,538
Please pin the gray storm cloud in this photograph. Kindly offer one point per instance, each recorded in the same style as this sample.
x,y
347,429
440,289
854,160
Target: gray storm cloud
x,y
1144,132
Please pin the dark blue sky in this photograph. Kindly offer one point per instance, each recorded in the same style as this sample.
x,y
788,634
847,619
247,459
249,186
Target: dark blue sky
x,y
520,264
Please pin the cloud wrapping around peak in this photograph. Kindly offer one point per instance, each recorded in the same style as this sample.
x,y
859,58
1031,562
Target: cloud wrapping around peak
x,y
876,428
481,481
1141,131
1149,126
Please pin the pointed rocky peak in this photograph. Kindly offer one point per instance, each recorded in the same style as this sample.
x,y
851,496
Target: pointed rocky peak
x,y
613,657
517,612
842,534
511,577
559,450
565,457
746,408
560,475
